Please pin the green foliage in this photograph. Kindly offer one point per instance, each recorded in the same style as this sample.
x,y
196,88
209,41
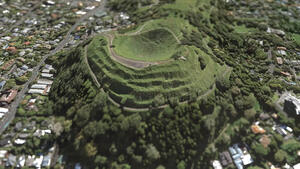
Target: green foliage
x,y
280,156
181,165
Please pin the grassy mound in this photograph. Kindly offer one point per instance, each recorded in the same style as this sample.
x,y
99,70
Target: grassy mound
x,y
156,84
153,45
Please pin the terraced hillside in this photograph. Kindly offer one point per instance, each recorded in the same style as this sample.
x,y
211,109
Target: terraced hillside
x,y
149,65
153,85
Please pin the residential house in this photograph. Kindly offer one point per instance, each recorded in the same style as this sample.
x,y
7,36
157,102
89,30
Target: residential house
x,y
21,161
282,52
264,116
297,166
225,158
11,161
240,156
256,129
279,60
18,126
39,86
2,84
265,140
276,31
3,153
47,75
4,142
20,141
30,160
8,64
38,162
36,91
23,135
8,97
217,165
45,81
46,161
3,110
292,105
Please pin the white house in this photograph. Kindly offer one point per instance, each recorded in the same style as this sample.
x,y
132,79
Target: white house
x,y
45,81
39,86
3,110
36,91
47,75
20,141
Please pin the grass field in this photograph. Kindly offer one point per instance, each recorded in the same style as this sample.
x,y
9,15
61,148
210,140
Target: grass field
x,y
297,38
242,29
153,45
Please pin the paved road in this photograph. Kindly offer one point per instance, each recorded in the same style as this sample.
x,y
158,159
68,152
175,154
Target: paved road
x,y
13,107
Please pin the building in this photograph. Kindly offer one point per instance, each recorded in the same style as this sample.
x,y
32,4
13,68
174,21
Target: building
x,y
20,141
2,84
217,165
292,105
240,156
46,161
11,161
4,142
225,158
38,162
297,166
21,161
36,91
3,153
47,75
45,81
39,86
3,110
8,96
279,60
256,129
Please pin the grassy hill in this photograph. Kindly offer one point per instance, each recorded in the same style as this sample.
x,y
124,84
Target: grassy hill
x,y
154,41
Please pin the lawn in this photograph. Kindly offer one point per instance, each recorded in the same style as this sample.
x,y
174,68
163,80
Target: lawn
x,y
242,29
296,37
154,45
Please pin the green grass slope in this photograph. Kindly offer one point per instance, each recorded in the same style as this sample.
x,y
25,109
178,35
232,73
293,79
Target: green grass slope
x,y
140,88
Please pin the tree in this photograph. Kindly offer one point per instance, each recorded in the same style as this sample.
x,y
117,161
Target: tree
x,y
181,165
152,152
21,80
160,167
90,149
250,114
260,149
280,156
100,160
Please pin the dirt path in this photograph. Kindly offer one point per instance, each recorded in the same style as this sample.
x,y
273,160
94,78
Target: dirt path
x,y
90,70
